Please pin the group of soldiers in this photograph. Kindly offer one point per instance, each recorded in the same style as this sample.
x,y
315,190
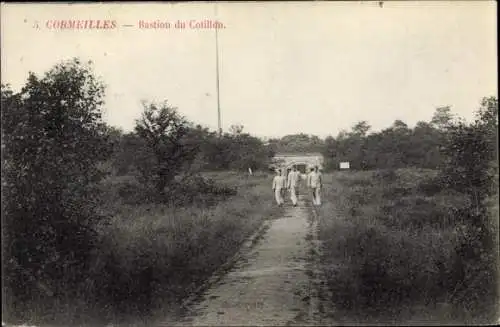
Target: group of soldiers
x,y
291,183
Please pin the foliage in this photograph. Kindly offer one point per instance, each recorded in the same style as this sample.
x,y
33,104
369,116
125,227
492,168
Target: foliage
x,y
53,139
164,132
470,151
393,257
402,242
407,241
471,168
397,146
297,143
442,117
205,151
152,256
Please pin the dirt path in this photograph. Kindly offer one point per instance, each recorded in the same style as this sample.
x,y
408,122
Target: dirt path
x,y
271,283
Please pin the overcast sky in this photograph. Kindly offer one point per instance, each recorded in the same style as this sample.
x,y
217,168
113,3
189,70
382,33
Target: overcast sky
x,y
285,68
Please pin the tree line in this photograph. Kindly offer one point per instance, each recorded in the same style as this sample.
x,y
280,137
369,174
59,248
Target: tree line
x,y
397,146
201,149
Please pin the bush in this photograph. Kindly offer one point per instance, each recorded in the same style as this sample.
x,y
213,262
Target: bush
x,y
184,191
387,255
199,190
387,176
381,272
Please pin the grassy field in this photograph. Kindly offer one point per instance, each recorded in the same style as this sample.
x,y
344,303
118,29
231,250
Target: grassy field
x,y
390,252
150,257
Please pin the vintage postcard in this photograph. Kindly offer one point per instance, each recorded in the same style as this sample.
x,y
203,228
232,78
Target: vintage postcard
x,y
249,163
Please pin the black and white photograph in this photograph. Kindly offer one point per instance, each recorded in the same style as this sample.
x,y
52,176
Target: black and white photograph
x,y
260,163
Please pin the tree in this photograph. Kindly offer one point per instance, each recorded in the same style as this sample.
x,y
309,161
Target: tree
x,y
471,149
299,143
400,125
164,132
442,117
204,139
246,151
330,153
356,145
130,154
424,146
54,139
487,118
361,128
336,149
115,137
236,129
471,167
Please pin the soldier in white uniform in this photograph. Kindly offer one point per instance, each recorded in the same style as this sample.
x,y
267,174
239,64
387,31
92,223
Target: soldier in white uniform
x,y
293,184
308,182
314,182
278,185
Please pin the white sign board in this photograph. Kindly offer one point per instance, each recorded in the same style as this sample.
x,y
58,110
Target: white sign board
x,y
344,165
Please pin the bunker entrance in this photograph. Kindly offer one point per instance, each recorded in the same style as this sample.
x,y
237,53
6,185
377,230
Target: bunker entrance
x,y
302,168
302,161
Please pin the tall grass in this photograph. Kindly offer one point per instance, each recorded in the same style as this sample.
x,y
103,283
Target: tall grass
x,y
148,257
391,253
152,256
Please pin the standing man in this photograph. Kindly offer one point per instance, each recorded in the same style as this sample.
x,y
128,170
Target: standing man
x,y
314,181
278,185
309,176
293,184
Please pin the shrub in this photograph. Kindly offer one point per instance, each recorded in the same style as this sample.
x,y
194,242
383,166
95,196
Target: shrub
x,y
386,255
199,189
54,139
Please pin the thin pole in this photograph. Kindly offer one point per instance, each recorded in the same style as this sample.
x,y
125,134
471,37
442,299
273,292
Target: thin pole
x,y
217,74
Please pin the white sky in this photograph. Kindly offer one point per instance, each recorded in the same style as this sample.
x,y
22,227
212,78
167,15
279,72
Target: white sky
x,y
285,68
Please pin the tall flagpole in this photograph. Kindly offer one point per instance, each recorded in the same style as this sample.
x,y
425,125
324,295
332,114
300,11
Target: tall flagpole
x,y
217,74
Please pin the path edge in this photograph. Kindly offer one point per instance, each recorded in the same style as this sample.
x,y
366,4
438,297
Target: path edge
x,y
221,271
